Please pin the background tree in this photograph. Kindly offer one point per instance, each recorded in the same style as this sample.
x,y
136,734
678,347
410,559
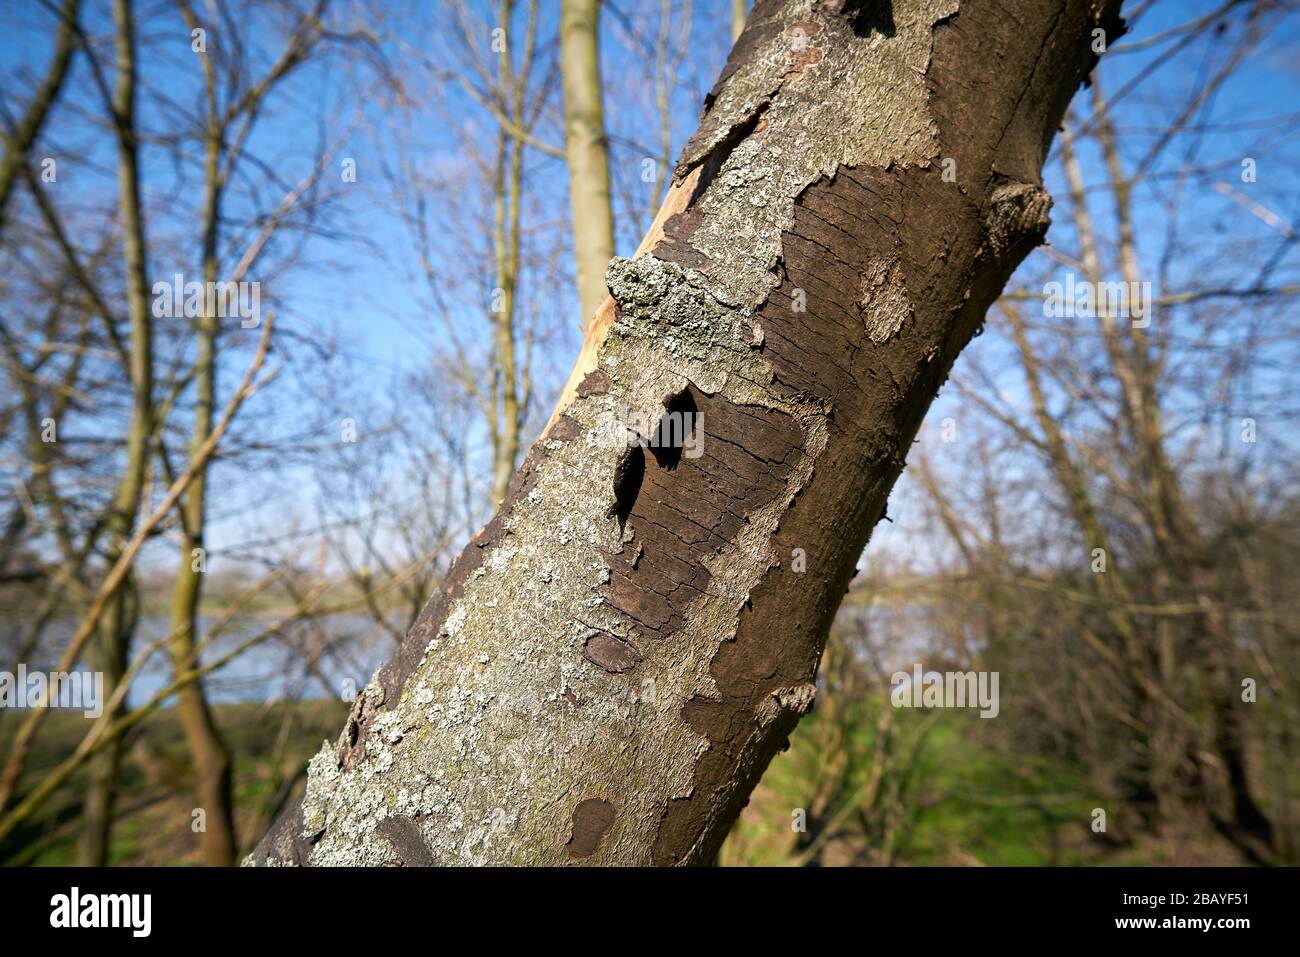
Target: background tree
x,y
112,645
586,151
98,534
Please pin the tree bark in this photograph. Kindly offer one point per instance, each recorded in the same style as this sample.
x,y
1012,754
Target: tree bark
x,y
586,151
614,659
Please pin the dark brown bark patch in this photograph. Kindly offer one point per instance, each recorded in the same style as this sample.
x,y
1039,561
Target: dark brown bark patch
x,y
591,819
565,429
593,383
407,841
611,653
885,274
864,322
690,507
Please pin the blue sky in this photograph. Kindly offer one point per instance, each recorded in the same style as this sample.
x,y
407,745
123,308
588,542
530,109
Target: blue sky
x,y
357,280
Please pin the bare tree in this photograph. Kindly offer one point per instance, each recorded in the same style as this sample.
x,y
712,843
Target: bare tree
x,y
89,506
112,648
1113,579
738,15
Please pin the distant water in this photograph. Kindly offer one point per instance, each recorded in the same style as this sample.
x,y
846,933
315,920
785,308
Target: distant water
x,y
311,660
319,659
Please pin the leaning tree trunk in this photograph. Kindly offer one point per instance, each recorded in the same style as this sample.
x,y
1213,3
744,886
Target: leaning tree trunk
x,y
614,659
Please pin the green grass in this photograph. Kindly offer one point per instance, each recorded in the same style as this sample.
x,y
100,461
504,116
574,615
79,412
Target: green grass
x,y
154,813
964,799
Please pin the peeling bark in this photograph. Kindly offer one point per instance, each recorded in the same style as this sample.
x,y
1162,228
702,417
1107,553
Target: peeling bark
x,y
805,290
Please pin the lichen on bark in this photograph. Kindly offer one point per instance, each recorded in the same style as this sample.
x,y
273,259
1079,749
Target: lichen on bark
x,y
861,102
614,659
487,749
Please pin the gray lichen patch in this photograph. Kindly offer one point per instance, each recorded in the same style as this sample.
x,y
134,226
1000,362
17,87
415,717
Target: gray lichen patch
x,y
516,708
807,134
638,284
323,775
668,309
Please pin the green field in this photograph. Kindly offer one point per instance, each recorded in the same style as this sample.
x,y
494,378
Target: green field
x,y
270,744
947,793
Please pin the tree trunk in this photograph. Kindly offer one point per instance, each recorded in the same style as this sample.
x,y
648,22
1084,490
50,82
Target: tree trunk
x,y
509,400
208,754
586,151
614,659
115,628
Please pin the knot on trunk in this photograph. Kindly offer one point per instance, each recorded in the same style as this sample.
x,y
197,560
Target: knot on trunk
x,y
1017,214
794,701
